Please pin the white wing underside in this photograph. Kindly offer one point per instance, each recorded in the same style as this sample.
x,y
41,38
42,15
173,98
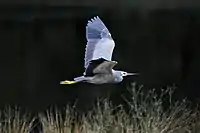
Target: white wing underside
x,y
101,49
99,41
104,49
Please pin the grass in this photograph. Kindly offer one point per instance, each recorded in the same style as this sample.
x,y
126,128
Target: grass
x,y
12,121
146,115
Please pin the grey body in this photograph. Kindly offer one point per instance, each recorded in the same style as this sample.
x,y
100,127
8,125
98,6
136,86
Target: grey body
x,y
103,74
98,64
113,77
102,79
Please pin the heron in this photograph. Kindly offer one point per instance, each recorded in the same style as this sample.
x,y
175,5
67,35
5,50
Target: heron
x,y
98,56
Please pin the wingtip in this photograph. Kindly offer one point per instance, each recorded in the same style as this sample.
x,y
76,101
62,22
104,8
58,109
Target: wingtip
x,y
93,19
97,17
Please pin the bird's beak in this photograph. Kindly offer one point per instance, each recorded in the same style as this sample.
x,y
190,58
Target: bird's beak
x,y
129,74
68,82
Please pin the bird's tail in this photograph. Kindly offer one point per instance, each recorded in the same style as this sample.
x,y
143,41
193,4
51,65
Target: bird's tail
x,y
76,80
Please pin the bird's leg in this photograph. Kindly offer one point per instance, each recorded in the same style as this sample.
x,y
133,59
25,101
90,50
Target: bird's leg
x,y
68,82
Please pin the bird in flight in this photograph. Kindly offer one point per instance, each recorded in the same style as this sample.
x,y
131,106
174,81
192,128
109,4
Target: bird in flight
x,y
98,56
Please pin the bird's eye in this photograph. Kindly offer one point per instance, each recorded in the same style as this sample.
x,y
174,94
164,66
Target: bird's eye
x,y
123,73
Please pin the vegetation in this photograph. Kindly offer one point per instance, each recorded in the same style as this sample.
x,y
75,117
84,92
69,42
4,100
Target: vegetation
x,y
146,115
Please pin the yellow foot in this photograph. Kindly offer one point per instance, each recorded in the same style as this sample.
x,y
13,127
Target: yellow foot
x,y
68,82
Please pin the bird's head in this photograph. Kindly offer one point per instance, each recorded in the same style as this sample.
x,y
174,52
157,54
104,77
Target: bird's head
x,y
120,74
123,73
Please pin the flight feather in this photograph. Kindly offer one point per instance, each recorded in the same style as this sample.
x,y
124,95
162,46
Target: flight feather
x,y
99,41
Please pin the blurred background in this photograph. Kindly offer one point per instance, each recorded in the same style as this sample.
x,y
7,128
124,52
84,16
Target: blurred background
x,y
42,42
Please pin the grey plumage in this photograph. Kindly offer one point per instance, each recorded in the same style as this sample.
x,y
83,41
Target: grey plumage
x,y
98,56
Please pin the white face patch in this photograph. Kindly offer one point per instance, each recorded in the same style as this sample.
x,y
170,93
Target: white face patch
x,y
124,73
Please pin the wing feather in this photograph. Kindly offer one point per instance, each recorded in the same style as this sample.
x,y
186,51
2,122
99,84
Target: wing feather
x,y
99,41
105,67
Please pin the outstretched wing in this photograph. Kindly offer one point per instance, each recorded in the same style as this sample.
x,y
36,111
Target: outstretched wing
x,y
99,42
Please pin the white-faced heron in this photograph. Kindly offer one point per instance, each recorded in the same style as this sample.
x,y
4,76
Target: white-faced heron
x,y
98,55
